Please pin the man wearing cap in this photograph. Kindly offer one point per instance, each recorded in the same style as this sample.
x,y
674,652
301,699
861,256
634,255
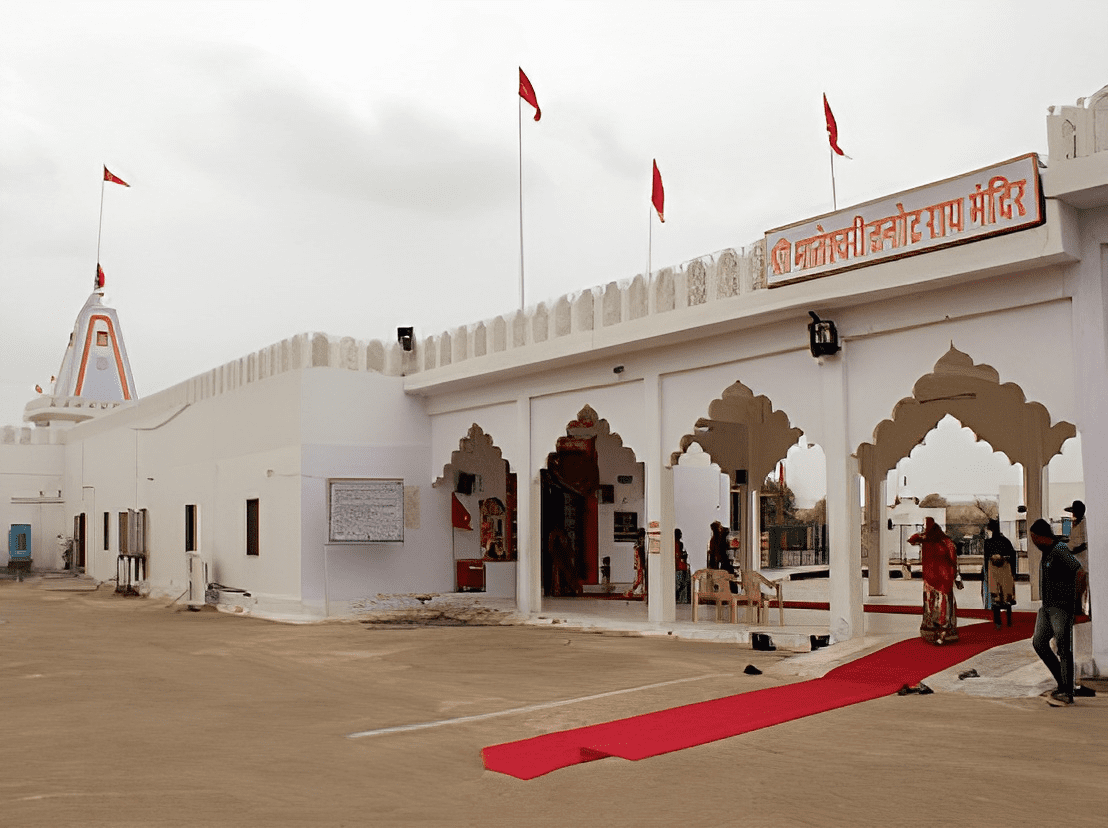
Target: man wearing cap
x,y
1079,548
1057,577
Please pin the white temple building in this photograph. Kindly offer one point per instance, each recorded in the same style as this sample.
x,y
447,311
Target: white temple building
x,y
325,473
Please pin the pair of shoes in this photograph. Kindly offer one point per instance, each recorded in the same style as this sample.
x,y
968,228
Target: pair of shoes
x,y
1082,690
919,689
969,674
1059,699
751,670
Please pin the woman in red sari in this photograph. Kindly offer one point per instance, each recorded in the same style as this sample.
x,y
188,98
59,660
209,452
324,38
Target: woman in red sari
x,y
939,557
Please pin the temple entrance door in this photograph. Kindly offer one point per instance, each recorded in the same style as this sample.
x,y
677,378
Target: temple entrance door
x,y
569,506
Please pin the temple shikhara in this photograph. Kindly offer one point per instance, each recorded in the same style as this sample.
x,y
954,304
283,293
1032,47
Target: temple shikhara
x,y
513,462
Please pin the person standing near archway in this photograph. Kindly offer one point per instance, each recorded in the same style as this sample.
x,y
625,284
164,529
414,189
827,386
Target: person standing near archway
x,y
998,575
1058,571
940,575
1079,548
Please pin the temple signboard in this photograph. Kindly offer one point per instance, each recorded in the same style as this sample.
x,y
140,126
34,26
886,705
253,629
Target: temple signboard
x,y
987,202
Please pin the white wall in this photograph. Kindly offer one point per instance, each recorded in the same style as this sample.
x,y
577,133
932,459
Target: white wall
x,y
361,424
32,474
215,453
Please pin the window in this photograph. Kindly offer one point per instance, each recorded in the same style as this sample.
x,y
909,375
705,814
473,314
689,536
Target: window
x,y
107,529
132,532
252,546
190,527
124,533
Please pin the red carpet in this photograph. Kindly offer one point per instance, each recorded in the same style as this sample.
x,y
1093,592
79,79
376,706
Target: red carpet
x,y
652,734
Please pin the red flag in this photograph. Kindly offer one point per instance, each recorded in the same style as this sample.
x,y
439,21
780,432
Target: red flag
x,y
658,195
459,515
832,127
527,92
114,179
99,276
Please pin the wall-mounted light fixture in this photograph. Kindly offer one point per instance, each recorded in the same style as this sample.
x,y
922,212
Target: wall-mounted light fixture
x,y
618,369
404,336
823,339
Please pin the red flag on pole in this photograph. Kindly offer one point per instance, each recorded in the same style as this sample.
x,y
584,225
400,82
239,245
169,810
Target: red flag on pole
x,y
459,515
527,92
658,195
832,127
99,276
114,179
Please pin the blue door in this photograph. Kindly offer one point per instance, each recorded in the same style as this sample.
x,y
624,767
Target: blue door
x,y
19,542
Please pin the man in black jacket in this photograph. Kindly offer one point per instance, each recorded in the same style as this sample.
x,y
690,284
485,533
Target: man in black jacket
x,y
1057,576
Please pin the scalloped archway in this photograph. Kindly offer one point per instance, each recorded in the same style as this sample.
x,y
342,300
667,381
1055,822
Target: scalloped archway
x,y
592,491
483,508
996,412
743,433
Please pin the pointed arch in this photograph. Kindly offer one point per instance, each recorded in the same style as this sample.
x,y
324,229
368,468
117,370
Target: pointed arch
x,y
742,431
996,412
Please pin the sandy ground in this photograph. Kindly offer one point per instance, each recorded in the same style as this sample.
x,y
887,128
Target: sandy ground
x,y
128,712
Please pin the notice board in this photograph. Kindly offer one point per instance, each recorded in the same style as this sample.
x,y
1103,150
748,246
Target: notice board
x,y
365,511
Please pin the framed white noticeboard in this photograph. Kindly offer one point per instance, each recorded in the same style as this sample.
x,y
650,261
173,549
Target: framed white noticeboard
x,y
365,511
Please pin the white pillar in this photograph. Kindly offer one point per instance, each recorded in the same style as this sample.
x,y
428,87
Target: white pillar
x,y
753,528
528,506
883,541
1034,498
843,513
878,560
661,579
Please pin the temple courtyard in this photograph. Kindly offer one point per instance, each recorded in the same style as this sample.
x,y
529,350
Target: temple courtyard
x,y
122,711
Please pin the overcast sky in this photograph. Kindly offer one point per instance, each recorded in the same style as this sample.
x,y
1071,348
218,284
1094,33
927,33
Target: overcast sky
x,y
350,168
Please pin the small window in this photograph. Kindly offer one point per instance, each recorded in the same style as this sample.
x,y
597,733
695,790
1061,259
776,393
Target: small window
x,y
124,533
102,338
252,545
107,529
190,527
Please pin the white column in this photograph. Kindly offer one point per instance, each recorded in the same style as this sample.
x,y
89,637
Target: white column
x,y
753,528
528,505
1091,341
1034,498
878,561
843,512
883,541
661,579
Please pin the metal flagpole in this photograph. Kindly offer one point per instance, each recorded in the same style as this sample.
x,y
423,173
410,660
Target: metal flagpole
x,y
834,201
649,238
519,120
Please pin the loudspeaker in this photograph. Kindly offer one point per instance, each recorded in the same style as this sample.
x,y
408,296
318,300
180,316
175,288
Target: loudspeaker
x,y
404,336
740,477
465,483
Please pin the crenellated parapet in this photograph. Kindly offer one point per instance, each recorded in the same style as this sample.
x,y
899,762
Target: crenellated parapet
x,y
305,350
1080,130
720,277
